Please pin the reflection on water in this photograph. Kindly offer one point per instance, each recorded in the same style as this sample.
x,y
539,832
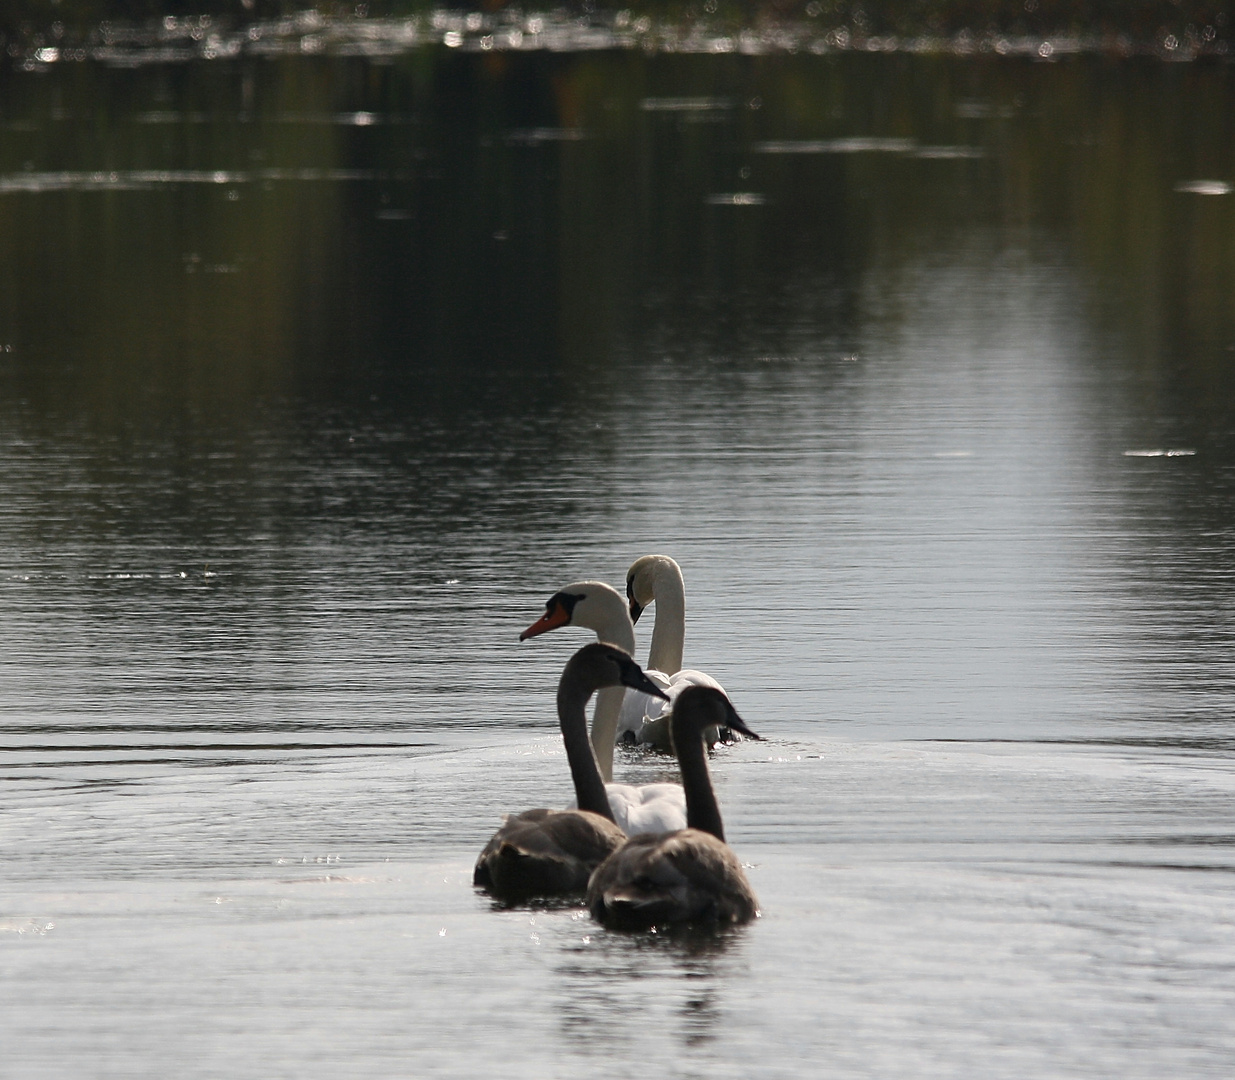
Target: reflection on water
x,y
821,29
675,983
35,182
318,375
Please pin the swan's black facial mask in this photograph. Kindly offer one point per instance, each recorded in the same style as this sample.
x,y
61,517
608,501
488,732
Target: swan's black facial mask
x,y
636,608
559,609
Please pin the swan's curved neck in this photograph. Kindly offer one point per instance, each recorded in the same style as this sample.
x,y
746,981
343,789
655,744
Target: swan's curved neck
x,y
669,632
589,785
615,628
701,809
606,614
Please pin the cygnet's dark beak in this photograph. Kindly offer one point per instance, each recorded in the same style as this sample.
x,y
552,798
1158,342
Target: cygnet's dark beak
x,y
736,723
636,609
632,676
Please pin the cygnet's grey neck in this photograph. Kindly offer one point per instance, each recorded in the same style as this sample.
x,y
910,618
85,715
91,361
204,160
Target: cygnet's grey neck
x,y
572,696
603,610
702,811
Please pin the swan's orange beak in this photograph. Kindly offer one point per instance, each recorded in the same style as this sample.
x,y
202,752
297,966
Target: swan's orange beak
x,y
556,615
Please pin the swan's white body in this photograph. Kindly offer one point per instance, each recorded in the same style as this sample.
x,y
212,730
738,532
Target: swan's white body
x,y
658,579
646,808
593,604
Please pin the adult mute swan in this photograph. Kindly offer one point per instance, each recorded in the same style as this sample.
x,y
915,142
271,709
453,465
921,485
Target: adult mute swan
x,y
547,852
658,579
594,605
687,877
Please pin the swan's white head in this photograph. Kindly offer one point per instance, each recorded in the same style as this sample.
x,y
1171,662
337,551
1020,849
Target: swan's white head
x,y
591,604
641,581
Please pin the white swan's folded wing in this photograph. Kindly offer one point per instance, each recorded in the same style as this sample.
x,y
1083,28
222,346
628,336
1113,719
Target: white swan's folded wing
x,y
646,808
650,808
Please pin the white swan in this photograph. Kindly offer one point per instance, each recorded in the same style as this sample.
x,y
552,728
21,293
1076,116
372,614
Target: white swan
x,y
687,877
596,606
547,852
658,579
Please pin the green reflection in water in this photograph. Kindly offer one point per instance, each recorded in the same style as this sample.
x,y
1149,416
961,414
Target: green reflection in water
x,y
209,237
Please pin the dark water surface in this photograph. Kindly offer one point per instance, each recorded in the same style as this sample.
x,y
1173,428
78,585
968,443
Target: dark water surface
x,y
318,375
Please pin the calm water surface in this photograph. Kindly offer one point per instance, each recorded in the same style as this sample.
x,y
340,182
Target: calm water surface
x,y
319,375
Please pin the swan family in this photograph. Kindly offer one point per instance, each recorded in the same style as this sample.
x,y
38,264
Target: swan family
x,y
645,856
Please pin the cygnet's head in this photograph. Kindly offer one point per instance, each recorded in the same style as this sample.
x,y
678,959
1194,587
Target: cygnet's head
x,y
699,707
597,665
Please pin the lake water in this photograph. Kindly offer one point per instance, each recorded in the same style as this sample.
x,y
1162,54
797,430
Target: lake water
x,y
318,374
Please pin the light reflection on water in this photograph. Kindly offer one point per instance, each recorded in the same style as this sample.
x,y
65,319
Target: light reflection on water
x,y
950,907
823,32
956,532
36,182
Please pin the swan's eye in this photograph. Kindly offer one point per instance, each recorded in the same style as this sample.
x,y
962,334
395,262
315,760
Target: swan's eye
x,y
566,601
